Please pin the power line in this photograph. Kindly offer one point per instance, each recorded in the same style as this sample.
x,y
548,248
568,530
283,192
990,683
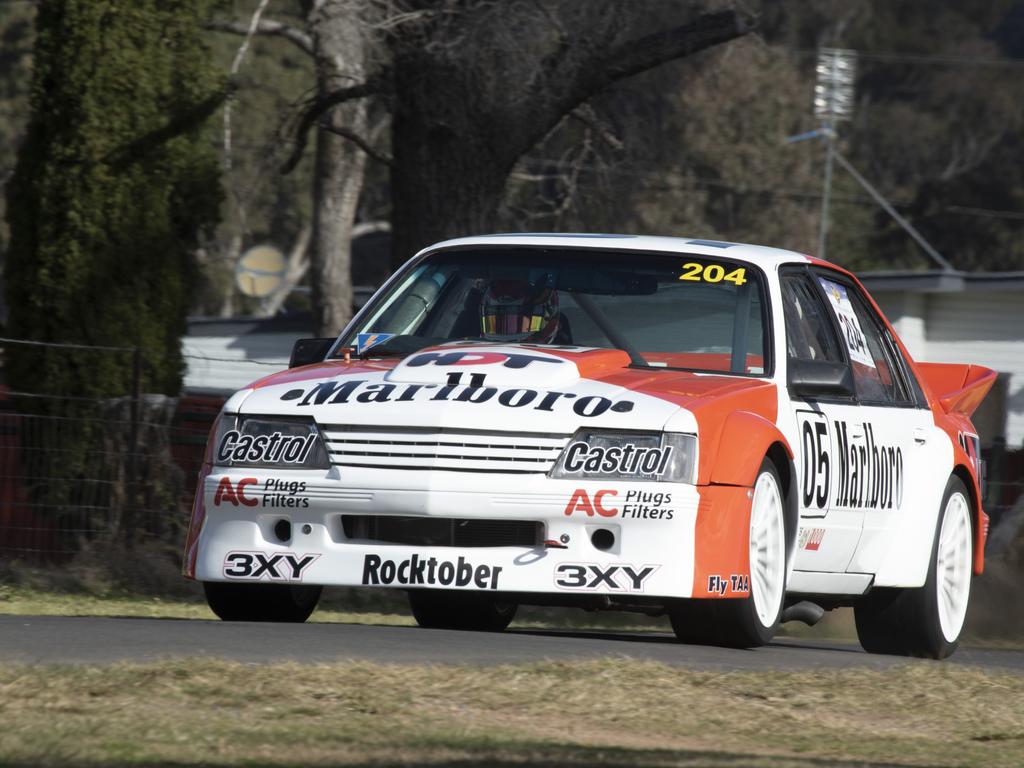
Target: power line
x,y
987,212
770,190
63,345
909,228
921,58
276,363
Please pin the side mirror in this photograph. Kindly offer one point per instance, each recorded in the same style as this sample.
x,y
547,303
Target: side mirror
x,y
307,351
814,378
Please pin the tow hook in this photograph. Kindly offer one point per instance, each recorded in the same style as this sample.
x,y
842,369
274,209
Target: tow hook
x,y
561,543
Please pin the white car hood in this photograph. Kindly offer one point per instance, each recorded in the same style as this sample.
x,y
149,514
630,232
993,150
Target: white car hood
x,y
479,387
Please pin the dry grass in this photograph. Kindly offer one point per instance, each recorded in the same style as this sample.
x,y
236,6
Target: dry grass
x,y
556,714
28,602
20,601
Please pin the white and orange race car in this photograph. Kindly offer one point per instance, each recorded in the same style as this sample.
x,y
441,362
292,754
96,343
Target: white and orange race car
x,y
728,433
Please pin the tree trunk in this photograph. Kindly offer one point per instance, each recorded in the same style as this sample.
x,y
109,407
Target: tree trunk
x,y
450,162
470,96
339,50
298,266
443,188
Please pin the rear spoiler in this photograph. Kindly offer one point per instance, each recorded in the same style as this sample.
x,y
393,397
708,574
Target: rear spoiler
x,y
959,387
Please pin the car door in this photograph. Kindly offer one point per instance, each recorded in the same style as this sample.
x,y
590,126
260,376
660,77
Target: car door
x,y
828,533
889,446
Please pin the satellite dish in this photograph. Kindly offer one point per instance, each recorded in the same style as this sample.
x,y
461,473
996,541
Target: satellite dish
x,y
260,271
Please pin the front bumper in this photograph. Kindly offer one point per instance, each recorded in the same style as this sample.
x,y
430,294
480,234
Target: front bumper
x,y
669,540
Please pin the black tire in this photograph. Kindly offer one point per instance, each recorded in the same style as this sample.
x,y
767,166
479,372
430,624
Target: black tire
x,y
261,602
448,609
727,623
733,623
905,621
694,622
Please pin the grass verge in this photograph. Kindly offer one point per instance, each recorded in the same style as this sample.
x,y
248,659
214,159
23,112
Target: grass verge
x,y
334,610
29,602
611,712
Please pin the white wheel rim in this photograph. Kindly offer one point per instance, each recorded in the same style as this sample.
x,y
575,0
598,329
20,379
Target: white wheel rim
x,y
953,567
767,549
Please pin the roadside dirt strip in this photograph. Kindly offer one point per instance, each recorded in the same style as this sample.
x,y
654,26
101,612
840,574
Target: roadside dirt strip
x,y
88,640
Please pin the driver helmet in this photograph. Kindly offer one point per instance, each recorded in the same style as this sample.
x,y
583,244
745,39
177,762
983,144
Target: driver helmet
x,y
515,311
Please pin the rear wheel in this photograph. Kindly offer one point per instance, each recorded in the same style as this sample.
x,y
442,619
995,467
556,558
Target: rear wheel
x,y
926,621
445,609
753,620
261,602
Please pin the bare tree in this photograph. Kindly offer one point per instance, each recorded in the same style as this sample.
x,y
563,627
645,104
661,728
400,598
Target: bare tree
x,y
474,84
335,37
471,86
339,49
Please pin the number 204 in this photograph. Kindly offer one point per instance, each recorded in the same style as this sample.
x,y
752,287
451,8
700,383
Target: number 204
x,y
712,273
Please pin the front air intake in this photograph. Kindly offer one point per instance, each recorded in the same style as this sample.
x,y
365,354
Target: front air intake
x,y
443,531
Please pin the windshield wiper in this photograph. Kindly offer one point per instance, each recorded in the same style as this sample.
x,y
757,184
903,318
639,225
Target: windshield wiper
x,y
605,325
398,346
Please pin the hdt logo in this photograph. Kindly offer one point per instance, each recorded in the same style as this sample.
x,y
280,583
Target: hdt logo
x,y
472,357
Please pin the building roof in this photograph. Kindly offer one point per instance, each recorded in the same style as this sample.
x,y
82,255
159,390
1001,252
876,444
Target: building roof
x,y
941,281
222,355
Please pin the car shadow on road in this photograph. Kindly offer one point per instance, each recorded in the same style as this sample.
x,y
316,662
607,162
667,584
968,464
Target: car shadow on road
x,y
667,639
645,638
596,634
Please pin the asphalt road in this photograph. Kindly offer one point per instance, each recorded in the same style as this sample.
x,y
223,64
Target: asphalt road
x,y
53,639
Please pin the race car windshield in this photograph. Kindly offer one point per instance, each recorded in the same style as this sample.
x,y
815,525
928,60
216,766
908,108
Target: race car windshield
x,y
666,310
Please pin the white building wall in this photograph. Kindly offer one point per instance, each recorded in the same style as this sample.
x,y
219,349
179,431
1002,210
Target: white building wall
x,y
224,364
905,311
980,327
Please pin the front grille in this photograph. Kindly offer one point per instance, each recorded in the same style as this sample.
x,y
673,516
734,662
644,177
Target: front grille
x,y
443,531
456,450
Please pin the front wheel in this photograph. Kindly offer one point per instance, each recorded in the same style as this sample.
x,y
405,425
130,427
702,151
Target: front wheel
x,y
261,602
445,609
753,620
926,621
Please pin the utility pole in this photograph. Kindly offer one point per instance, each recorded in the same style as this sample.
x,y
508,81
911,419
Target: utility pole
x,y
833,101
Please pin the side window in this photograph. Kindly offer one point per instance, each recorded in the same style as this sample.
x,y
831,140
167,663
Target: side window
x,y
875,375
809,332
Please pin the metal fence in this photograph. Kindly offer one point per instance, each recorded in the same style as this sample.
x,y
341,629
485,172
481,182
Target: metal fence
x,y
76,470
1004,496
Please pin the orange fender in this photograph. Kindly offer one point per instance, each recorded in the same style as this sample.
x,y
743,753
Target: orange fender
x,y
745,441
723,516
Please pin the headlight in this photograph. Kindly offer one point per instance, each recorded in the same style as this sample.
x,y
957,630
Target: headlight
x,y
269,441
669,457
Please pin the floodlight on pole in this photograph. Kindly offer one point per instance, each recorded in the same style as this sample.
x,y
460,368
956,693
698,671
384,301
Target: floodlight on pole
x,y
834,90
833,101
